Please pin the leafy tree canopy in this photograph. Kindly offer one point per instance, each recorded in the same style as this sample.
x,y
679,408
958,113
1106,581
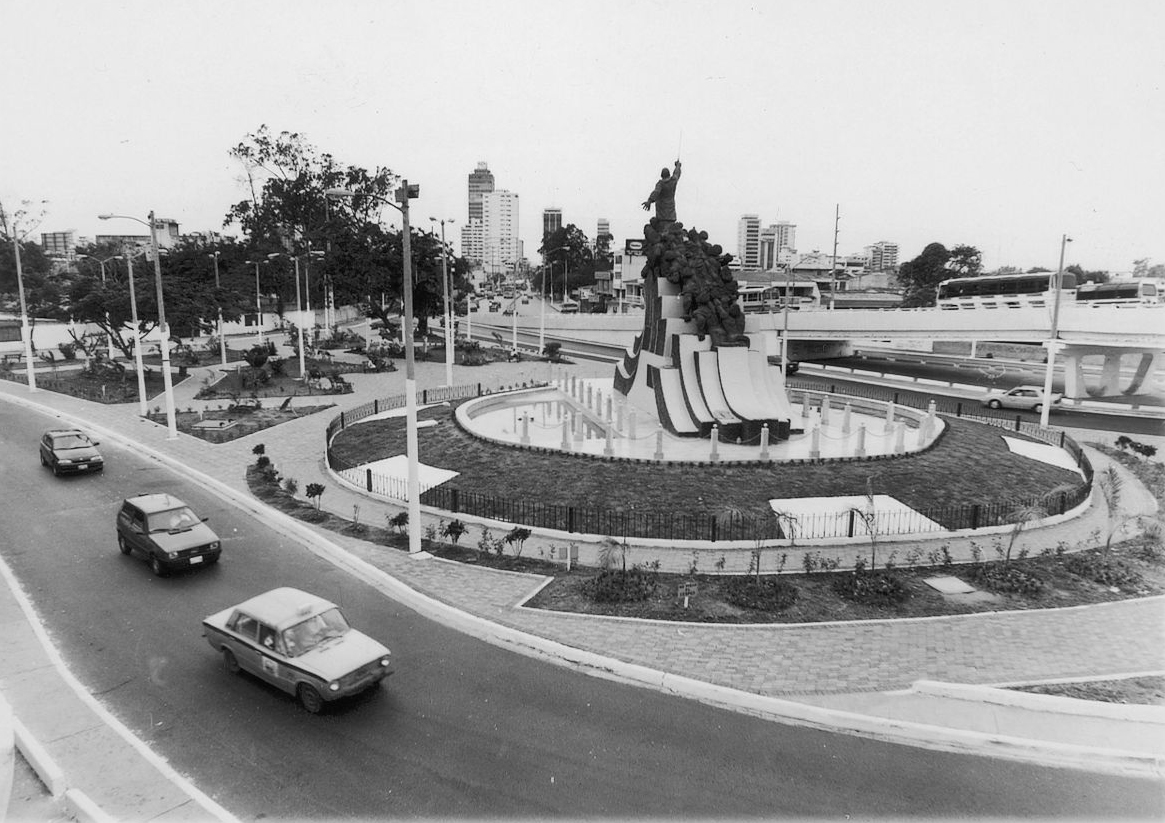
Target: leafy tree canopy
x,y
567,253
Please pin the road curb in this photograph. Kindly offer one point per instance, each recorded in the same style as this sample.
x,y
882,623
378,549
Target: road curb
x,y
769,708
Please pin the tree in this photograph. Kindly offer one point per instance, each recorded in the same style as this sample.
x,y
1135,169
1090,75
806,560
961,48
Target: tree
x,y
920,277
1083,276
568,251
965,261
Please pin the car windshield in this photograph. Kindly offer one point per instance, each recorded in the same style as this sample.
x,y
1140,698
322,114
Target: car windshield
x,y
71,441
172,520
316,630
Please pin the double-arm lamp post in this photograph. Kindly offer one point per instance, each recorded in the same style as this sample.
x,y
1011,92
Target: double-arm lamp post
x,y
167,379
405,193
449,313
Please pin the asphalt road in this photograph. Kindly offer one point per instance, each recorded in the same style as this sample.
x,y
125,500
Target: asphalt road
x,y
463,728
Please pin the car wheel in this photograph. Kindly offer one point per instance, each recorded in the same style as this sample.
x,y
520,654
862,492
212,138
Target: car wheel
x,y
994,404
229,663
1038,408
123,545
156,566
309,698
43,462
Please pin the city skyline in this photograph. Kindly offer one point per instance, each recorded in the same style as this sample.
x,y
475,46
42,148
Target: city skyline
x,y
999,125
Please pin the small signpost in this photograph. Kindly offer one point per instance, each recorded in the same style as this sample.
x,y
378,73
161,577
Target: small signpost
x,y
687,589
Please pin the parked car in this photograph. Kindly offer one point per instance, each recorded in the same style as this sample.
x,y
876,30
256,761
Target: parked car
x,y
70,451
1020,397
166,532
299,643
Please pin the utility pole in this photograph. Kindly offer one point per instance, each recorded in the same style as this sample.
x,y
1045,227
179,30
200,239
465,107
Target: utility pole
x,y
833,262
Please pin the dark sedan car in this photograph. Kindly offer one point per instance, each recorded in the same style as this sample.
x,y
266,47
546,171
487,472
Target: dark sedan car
x,y
70,451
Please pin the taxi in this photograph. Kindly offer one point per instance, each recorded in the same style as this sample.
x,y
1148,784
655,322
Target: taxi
x,y
299,643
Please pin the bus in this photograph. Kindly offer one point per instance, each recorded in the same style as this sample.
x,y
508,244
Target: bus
x,y
1121,292
1004,291
757,297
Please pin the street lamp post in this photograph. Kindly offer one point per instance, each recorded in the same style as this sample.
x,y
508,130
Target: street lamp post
x,y
547,269
1055,333
25,330
449,313
167,378
222,341
258,298
298,307
137,337
108,335
405,193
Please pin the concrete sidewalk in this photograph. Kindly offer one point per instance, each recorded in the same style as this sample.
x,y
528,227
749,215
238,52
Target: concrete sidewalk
x,y
856,677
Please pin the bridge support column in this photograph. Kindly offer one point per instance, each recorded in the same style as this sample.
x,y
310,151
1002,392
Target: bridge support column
x,y
1110,373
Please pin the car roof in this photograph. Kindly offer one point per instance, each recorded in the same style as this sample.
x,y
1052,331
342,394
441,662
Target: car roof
x,y
62,432
1030,388
284,606
155,502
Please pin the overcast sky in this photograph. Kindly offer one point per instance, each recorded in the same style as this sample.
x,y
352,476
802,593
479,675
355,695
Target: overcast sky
x,y
1002,125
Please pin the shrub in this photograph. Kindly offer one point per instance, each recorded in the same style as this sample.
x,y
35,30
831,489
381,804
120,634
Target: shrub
x,y
314,491
621,586
768,594
870,588
291,486
399,521
1105,570
453,530
263,462
517,537
1007,577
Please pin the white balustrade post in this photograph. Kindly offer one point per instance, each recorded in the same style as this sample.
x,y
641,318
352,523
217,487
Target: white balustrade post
x,y
607,451
860,448
825,410
714,455
659,445
815,442
845,419
764,441
525,430
565,434
900,437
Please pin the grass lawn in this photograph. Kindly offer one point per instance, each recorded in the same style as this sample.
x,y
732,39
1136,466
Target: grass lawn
x,y
970,464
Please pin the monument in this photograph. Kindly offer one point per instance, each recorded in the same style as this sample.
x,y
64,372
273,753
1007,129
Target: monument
x,y
692,365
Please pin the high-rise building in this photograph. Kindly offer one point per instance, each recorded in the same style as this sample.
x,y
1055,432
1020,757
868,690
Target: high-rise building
x,y
883,256
773,239
502,249
748,241
551,221
481,181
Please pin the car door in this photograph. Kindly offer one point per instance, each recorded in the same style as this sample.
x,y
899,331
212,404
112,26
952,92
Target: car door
x,y
46,449
243,631
272,660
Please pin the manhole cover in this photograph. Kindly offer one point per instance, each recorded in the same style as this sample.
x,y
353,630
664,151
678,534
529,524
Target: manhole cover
x,y
948,585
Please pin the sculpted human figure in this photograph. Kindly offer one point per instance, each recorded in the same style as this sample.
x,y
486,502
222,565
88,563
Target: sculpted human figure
x,y
664,195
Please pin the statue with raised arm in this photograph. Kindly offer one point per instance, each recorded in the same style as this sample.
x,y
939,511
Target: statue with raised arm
x,y
664,195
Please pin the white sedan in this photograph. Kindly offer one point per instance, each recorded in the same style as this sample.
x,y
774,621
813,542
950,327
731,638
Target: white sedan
x,y
1021,397
299,643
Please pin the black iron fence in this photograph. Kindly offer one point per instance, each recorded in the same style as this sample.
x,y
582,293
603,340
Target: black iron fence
x,y
854,521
